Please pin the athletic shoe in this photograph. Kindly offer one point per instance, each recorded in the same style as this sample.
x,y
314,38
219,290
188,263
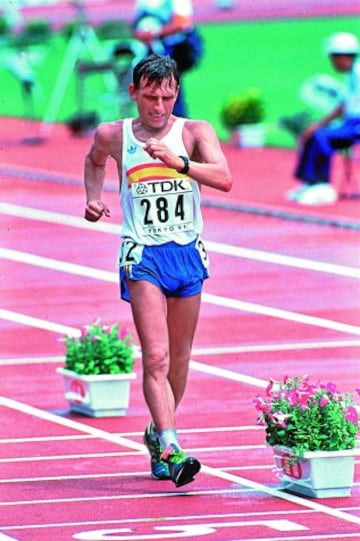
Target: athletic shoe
x,y
182,468
159,468
322,193
294,193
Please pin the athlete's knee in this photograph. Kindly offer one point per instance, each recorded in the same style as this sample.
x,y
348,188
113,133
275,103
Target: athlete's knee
x,y
156,361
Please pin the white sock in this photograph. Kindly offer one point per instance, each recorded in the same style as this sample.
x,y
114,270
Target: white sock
x,y
168,437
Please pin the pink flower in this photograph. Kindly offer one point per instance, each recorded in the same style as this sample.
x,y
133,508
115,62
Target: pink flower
x,y
303,397
269,387
123,333
95,338
260,404
279,419
292,397
352,415
331,387
84,331
323,401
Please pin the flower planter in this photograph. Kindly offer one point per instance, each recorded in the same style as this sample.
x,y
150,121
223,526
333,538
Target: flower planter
x,y
248,135
318,474
105,395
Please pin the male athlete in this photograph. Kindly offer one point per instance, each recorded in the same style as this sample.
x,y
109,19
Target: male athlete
x,y
162,161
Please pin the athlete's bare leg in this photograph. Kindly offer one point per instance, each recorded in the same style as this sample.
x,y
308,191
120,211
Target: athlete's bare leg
x,y
166,330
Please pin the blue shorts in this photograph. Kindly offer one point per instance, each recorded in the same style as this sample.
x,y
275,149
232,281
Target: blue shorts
x,y
177,270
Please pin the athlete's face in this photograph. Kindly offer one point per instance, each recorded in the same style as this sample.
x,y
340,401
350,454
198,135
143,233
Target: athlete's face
x,y
155,102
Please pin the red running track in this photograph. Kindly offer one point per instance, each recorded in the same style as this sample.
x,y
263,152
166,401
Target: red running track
x,y
205,11
282,299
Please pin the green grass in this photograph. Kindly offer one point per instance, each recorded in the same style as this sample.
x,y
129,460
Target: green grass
x,y
275,56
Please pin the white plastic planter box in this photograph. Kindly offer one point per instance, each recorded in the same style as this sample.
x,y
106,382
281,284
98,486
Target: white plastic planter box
x,y
248,136
106,395
318,474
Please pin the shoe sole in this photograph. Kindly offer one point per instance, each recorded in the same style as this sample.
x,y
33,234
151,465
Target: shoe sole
x,y
186,474
160,477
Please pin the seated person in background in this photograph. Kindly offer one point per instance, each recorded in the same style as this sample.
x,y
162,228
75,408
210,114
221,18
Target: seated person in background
x,y
321,139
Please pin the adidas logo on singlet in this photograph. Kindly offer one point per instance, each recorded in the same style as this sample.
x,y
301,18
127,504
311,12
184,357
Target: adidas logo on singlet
x,y
131,149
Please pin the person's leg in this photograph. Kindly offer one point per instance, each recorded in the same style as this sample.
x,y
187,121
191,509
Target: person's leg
x,y
149,314
150,317
156,326
314,162
183,314
182,319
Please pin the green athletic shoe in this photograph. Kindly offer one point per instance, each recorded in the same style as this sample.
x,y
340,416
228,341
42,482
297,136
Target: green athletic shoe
x,y
182,468
159,468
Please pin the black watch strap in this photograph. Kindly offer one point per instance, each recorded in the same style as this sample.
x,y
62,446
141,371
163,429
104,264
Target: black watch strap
x,y
185,169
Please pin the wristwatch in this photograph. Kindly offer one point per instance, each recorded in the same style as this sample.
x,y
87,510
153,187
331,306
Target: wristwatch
x,y
185,169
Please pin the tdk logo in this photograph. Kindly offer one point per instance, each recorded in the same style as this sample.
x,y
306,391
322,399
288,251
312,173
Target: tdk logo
x,y
131,149
166,186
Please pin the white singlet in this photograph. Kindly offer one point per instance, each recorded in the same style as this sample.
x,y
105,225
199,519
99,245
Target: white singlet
x,y
159,204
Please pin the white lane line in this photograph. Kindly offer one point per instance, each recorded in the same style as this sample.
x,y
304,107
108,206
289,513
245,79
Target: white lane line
x,y
258,348
101,523
70,423
207,430
38,323
57,218
279,259
216,247
58,265
77,456
173,518
57,478
201,352
321,508
228,374
217,300
214,472
280,313
315,537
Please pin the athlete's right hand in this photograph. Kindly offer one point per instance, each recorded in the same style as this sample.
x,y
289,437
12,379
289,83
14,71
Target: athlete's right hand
x,y
95,210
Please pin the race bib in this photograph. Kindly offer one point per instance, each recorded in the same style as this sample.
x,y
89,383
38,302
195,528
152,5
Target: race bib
x,y
130,253
200,246
164,206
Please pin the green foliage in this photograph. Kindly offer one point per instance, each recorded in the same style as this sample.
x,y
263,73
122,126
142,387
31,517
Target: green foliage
x,y
296,123
308,417
4,26
68,29
100,349
245,108
35,32
113,29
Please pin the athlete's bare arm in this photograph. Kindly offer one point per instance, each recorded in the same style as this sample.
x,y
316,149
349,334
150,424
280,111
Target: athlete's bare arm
x,y
106,143
207,164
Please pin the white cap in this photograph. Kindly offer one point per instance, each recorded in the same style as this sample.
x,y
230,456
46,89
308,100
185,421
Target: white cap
x,y
342,43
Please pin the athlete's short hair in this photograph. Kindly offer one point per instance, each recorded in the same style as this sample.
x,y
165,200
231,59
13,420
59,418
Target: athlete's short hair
x,y
155,69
